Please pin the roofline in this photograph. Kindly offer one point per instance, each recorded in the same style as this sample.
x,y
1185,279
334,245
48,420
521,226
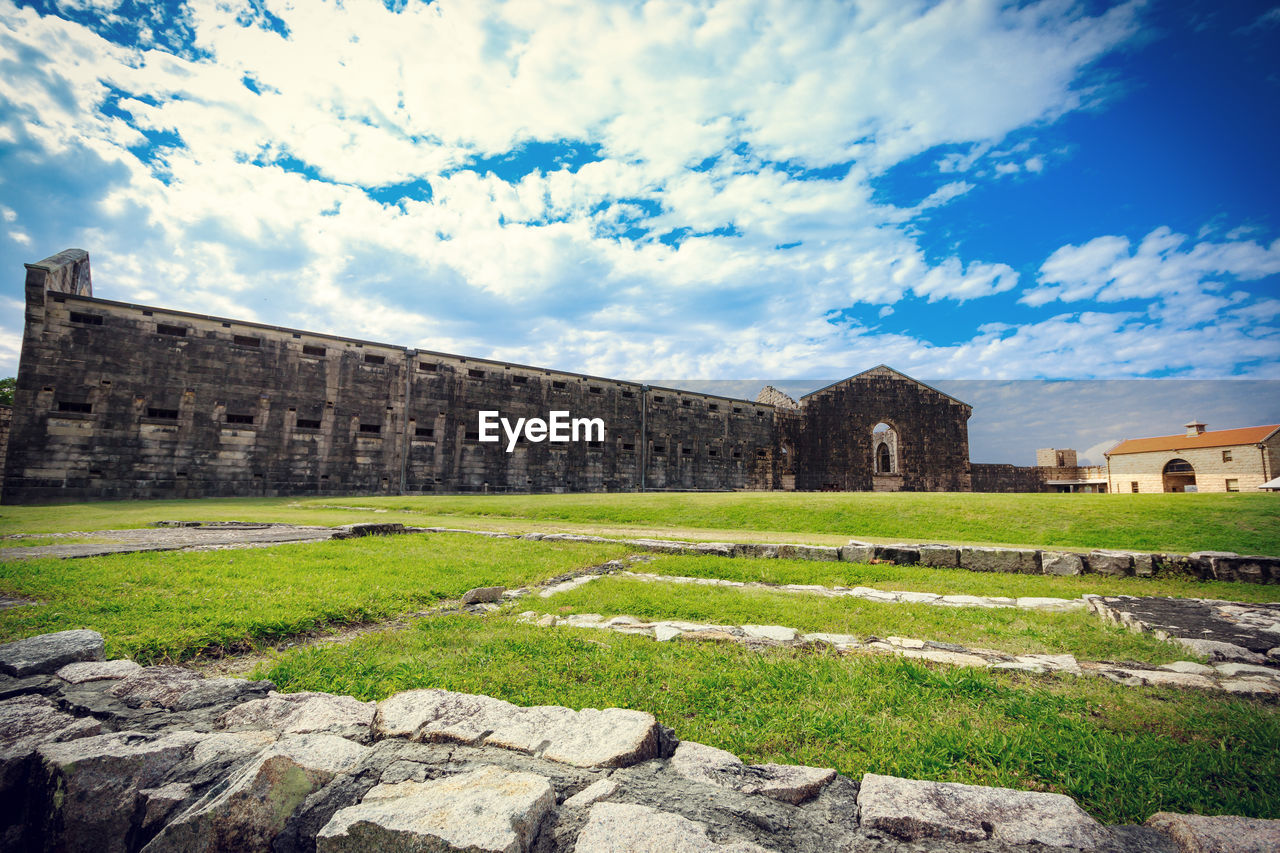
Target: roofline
x,y
1201,447
362,342
895,370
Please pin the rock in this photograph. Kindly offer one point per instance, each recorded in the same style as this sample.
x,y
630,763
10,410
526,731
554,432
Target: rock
x,y
1217,651
48,653
1056,663
913,810
711,636
942,656
808,552
160,802
79,673
940,556
548,620
305,713
1218,834
94,784
254,806
1144,565
837,640
1165,678
663,633
1119,563
230,747
1250,687
965,601
905,642
1036,603
372,528
1189,667
917,597
1231,670
483,595
626,828
777,633
1061,563
1226,566
484,810
787,783
26,723
219,691
596,791
1019,560
756,550
899,555
614,737
857,552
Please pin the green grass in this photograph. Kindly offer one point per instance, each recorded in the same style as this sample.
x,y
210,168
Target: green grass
x,y
174,606
949,581
1123,753
1245,523
1006,629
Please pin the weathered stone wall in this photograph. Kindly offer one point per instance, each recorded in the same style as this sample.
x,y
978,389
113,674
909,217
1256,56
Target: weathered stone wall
x,y
833,442
995,477
126,401
6,417
1249,466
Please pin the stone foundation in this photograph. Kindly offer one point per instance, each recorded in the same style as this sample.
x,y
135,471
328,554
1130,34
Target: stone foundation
x,y
110,756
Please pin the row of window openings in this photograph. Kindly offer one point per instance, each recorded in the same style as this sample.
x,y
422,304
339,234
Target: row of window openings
x,y
1231,485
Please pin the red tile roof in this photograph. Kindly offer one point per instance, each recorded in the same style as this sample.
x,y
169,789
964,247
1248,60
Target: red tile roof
x,y
1212,438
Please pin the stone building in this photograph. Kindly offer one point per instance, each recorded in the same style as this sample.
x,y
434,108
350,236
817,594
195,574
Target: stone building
x,y
116,400
1199,460
1056,470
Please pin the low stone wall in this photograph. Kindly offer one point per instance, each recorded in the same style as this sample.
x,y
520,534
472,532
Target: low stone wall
x,y
111,756
999,477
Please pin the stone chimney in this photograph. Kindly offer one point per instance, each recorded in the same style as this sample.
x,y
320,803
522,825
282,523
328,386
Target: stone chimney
x,y
1194,428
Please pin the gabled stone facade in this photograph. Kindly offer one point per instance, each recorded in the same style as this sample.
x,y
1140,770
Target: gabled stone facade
x,y
116,400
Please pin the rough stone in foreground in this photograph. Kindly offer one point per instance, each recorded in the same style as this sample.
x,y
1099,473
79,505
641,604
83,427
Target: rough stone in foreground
x,y
1217,651
79,673
626,828
777,633
940,556
483,594
48,653
912,810
305,713
857,552
1117,563
179,689
787,783
614,737
489,809
1219,834
98,779
256,803
899,555
27,722
1017,560
808,552
1061,563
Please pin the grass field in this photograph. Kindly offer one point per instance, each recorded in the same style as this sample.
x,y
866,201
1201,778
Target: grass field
x,y
1245,523
1122,752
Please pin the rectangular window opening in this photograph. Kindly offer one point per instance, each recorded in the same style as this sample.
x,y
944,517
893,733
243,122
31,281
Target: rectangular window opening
x,y
428,366
475,374
714,407
370,358
371,429
308,423
311,349
595,389
628,394
246,340
1133,487
1233,485
86,319
162,414
629,448
171,331
559,385
520,380
240,419
659,449
1226,456
69,406
425,432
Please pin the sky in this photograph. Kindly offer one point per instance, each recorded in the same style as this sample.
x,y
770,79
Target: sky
x,y
964,190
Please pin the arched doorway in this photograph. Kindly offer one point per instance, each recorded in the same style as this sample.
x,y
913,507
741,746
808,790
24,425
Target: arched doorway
x,y
886,465
1179,476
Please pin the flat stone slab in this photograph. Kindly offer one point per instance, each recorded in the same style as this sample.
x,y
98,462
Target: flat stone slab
x,y
787,783
613,737
489,809
107,670
483,594
48,653
627,828
1239,624
1218,834
913,810
28,721
777,633
305,713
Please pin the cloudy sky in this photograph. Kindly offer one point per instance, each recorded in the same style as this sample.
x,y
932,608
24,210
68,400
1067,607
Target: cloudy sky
x,y
963,189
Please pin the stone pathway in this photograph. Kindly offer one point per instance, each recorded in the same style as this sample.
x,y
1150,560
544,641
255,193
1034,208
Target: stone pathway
x,y
1229,630
108,755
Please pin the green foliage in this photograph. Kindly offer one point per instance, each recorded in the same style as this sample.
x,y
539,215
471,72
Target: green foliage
x,y
173,606
1122,752
6,390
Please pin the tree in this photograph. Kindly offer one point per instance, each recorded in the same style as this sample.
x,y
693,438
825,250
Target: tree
x,y
6,391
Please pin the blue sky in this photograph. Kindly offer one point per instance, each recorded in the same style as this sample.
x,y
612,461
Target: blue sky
x,y
963,190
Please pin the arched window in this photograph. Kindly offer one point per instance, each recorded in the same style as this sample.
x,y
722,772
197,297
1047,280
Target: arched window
x,y
1179,476
884,455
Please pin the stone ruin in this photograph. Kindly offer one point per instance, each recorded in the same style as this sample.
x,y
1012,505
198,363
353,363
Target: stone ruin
x,y
111,756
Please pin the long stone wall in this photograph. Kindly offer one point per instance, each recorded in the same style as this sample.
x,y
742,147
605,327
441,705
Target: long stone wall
x,y
108,756
6,419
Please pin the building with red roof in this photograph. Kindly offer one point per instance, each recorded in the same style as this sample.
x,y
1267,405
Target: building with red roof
x,y
1198,460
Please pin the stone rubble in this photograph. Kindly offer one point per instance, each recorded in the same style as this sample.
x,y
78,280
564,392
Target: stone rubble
x,y
88,766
